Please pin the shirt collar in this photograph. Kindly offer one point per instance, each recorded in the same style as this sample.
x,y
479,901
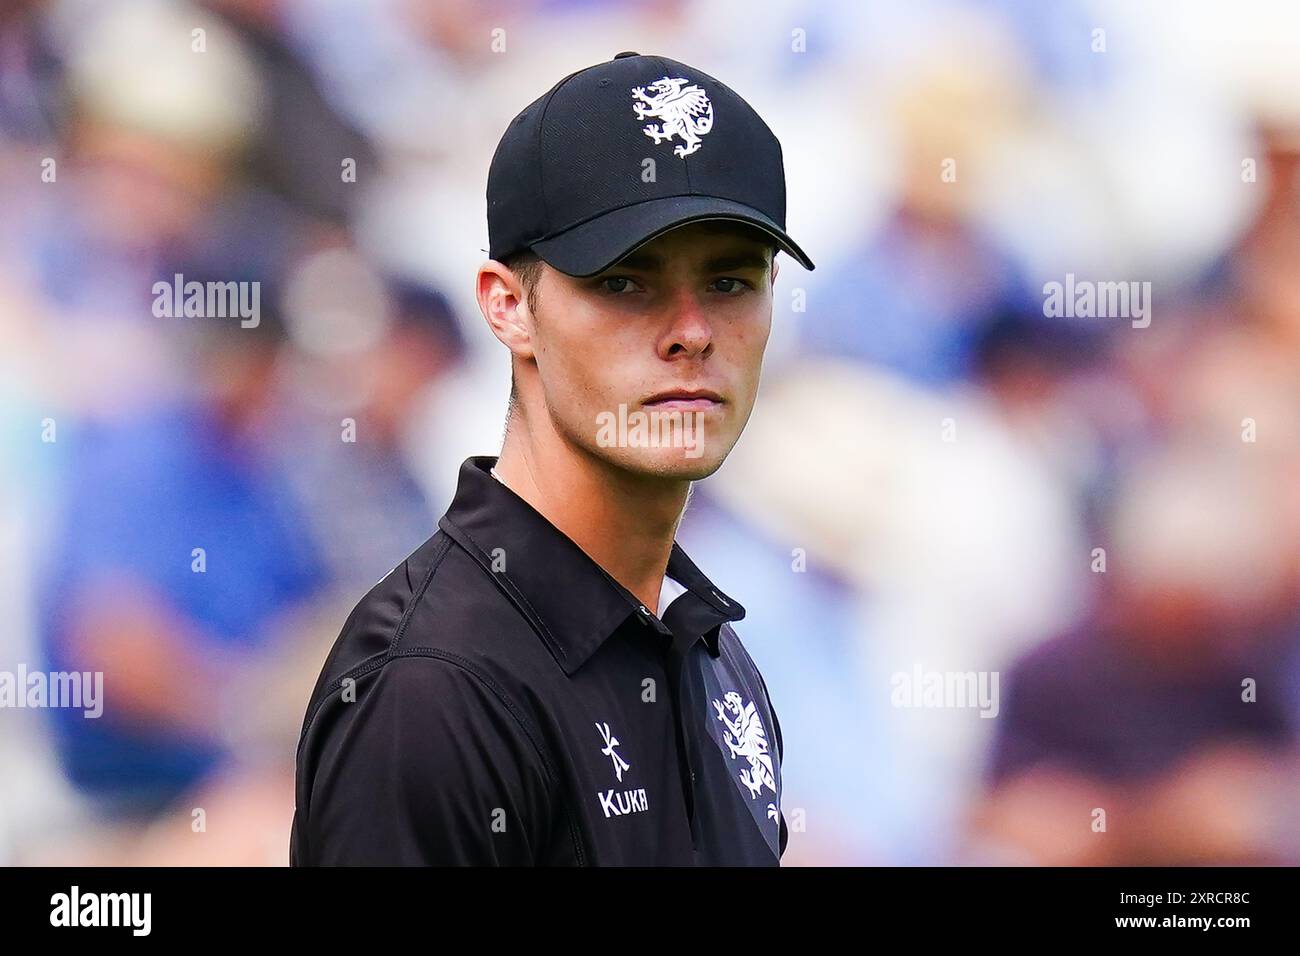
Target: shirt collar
x,y
570,600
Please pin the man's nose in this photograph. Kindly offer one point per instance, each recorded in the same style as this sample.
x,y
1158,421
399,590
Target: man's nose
x,y
689,331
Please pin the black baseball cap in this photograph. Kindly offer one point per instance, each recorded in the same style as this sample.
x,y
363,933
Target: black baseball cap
x,y
570,178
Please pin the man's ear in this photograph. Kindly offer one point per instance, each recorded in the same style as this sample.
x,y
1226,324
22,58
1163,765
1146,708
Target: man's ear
x,y
776,267
504,305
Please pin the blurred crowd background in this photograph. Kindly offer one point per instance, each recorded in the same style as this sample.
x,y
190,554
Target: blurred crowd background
x,y
931,469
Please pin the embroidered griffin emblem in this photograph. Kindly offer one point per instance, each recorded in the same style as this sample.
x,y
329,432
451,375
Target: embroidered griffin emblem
x,y
746,738
685,111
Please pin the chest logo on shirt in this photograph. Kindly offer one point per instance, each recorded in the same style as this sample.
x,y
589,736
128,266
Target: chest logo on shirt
x,y
610,743
746,739
616,804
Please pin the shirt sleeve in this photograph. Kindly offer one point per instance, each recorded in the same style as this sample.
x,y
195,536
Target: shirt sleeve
x,y
428,766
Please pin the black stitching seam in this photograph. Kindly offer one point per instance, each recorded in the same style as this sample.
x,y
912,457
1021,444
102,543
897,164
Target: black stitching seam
x,y
685,162
541,126
434,564
365,667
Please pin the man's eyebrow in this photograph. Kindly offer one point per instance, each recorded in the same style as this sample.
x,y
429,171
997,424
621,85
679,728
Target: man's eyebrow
x,y
739,260
640,261
648,262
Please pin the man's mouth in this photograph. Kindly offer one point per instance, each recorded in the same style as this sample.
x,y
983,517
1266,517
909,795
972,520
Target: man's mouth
x,y
685,400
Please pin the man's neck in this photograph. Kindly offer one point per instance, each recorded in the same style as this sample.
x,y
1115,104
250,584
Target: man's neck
x,y
623,521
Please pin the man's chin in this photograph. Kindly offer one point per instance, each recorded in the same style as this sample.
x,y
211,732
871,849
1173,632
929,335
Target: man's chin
x,y
673,445
680,464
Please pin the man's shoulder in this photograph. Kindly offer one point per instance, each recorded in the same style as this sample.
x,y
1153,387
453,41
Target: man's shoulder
x,y
730,644
437,603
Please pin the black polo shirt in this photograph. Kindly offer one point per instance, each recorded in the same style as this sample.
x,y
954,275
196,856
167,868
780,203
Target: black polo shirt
x,y
498,698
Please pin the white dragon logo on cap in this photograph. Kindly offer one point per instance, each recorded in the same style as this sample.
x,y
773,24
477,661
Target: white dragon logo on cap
x,y
685,112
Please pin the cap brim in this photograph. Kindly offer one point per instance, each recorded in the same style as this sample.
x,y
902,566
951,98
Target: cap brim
x,y
597,244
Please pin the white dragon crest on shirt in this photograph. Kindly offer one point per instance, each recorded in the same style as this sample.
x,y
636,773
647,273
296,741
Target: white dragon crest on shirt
x,y
746,738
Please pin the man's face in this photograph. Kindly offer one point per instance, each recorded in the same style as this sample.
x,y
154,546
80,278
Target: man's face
x,y
653,364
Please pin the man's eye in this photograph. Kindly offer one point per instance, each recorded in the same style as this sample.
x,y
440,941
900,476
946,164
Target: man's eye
x,y
731,284
617,284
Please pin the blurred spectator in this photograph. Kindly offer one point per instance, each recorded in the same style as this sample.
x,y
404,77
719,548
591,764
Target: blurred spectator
x,y
30,72
1177,681
367,350
180,548
304,140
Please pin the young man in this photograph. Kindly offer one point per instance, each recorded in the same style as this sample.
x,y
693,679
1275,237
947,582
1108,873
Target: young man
x,y
549,679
